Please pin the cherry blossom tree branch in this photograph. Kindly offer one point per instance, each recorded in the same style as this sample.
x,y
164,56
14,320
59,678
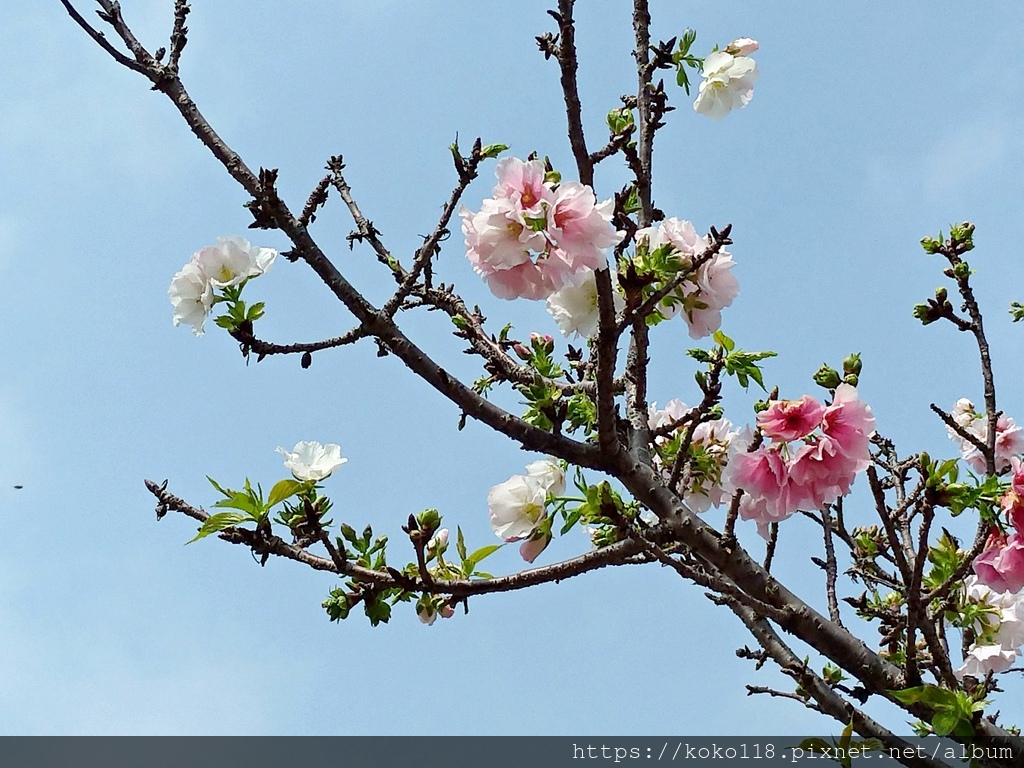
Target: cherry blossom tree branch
x,y
645,140
827,699
101,39
606,352
567,63
272,211
830,567
626,552
718,241
249,342
960,242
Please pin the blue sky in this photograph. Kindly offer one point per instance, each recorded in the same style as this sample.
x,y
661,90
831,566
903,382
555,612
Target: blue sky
x,y
871,126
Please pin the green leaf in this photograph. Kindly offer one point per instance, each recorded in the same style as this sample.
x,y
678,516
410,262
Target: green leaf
x,y
241,501
932,695
814,745
218,487
493,150
217,523
944,722
282,490
725,341
484,552
377,611
460,544
350,534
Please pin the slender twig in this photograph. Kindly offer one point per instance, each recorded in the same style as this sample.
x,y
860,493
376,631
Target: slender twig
x,y
960,431
621,553
773,540
179,35
266,348
830,567
101,39
316,199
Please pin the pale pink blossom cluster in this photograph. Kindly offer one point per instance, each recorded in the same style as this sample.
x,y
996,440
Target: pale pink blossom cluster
x,y
518,506
1009,436
703,295
999,632
534,236
728,78
1001,564
230,262
712,445
814,455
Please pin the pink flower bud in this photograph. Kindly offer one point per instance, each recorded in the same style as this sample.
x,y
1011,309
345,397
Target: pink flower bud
x,y
530,548
743,46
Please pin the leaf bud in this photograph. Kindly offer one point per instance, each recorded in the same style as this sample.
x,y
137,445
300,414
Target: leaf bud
x,y
931,245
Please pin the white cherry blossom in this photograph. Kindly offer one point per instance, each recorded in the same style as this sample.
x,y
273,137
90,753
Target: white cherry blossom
x,y
516,506
574,307
312,461
191,296
728,84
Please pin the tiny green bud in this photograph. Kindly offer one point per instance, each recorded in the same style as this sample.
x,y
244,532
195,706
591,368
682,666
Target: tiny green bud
x,y
962,270
429,520
760,406
852,364
930,244
851,379
827,377
923,313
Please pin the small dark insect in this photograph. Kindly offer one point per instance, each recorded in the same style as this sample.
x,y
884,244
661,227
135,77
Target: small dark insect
x,y
18,487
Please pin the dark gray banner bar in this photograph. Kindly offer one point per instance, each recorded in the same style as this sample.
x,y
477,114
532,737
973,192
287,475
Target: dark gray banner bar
x,y
455,752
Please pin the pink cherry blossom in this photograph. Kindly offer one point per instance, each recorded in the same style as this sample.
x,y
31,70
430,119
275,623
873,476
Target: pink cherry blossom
x,y
717,440
581,227
1001,565
533,237
784,477
1017,482
702,297
787,420
1009,437
522,184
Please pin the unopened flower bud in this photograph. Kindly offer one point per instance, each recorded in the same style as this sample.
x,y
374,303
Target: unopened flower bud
x,y
447,611
543,343
743,46
439,543
522,352
851,379
827,377
530,548
852,364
